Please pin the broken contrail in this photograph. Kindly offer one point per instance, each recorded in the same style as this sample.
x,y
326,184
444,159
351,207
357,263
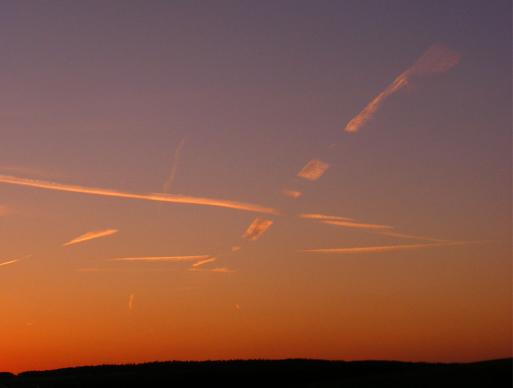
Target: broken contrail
x,y
257,228
436,59
313,170
12,180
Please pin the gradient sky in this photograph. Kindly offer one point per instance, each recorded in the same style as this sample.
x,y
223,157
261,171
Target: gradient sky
x,y
229,100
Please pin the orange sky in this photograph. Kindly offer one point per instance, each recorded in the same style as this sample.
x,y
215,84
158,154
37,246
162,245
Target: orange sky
x,y
187,182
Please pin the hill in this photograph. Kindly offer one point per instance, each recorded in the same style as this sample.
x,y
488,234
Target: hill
x,y
267,373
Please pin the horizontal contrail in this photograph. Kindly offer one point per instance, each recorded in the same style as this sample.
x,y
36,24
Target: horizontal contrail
x,y
323,217
9,262
218,270
384,248
12,180
91,236
257,228
313,170
203,262
412,237
356,225
436,59
162,258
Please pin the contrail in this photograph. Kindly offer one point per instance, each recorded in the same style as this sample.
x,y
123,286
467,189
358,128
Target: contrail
x,y
146,197
257,228
324,217
436,59
162,258
176,159
9,262
91,236
218,270
412,237
385,248
313,170
356,225
203,262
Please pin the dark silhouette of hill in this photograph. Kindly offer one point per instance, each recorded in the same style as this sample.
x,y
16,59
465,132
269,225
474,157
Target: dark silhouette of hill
x,y
267,373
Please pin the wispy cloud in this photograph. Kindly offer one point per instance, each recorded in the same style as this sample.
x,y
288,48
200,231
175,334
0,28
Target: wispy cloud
x,y
235,248
203,262
7,179
257,228
91,236
294,194
176,159
436,59
313,170
9,262
385,248
162,258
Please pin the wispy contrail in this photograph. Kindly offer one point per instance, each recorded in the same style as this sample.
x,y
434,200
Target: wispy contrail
x,y
235,248
356,225
176,159
9,262
257,228
218,270
203,262
436,59
412,237
313,170
384,248
162,258
324,217
147,197
131,301
91,236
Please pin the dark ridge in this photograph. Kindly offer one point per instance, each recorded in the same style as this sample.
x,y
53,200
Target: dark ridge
x,y
271,373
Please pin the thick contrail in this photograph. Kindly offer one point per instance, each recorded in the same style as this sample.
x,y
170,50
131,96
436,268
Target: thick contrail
x,y
313,170
176,159
257,228
12,180
384,248
163,258
436,59
9,262
91,236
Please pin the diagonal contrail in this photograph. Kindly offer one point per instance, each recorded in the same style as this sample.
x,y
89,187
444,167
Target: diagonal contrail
x,y
183,199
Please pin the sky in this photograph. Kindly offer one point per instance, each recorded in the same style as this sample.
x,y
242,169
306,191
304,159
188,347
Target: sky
x,y
196,180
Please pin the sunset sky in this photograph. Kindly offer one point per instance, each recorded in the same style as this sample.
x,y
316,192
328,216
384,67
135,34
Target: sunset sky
x,y
254,179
